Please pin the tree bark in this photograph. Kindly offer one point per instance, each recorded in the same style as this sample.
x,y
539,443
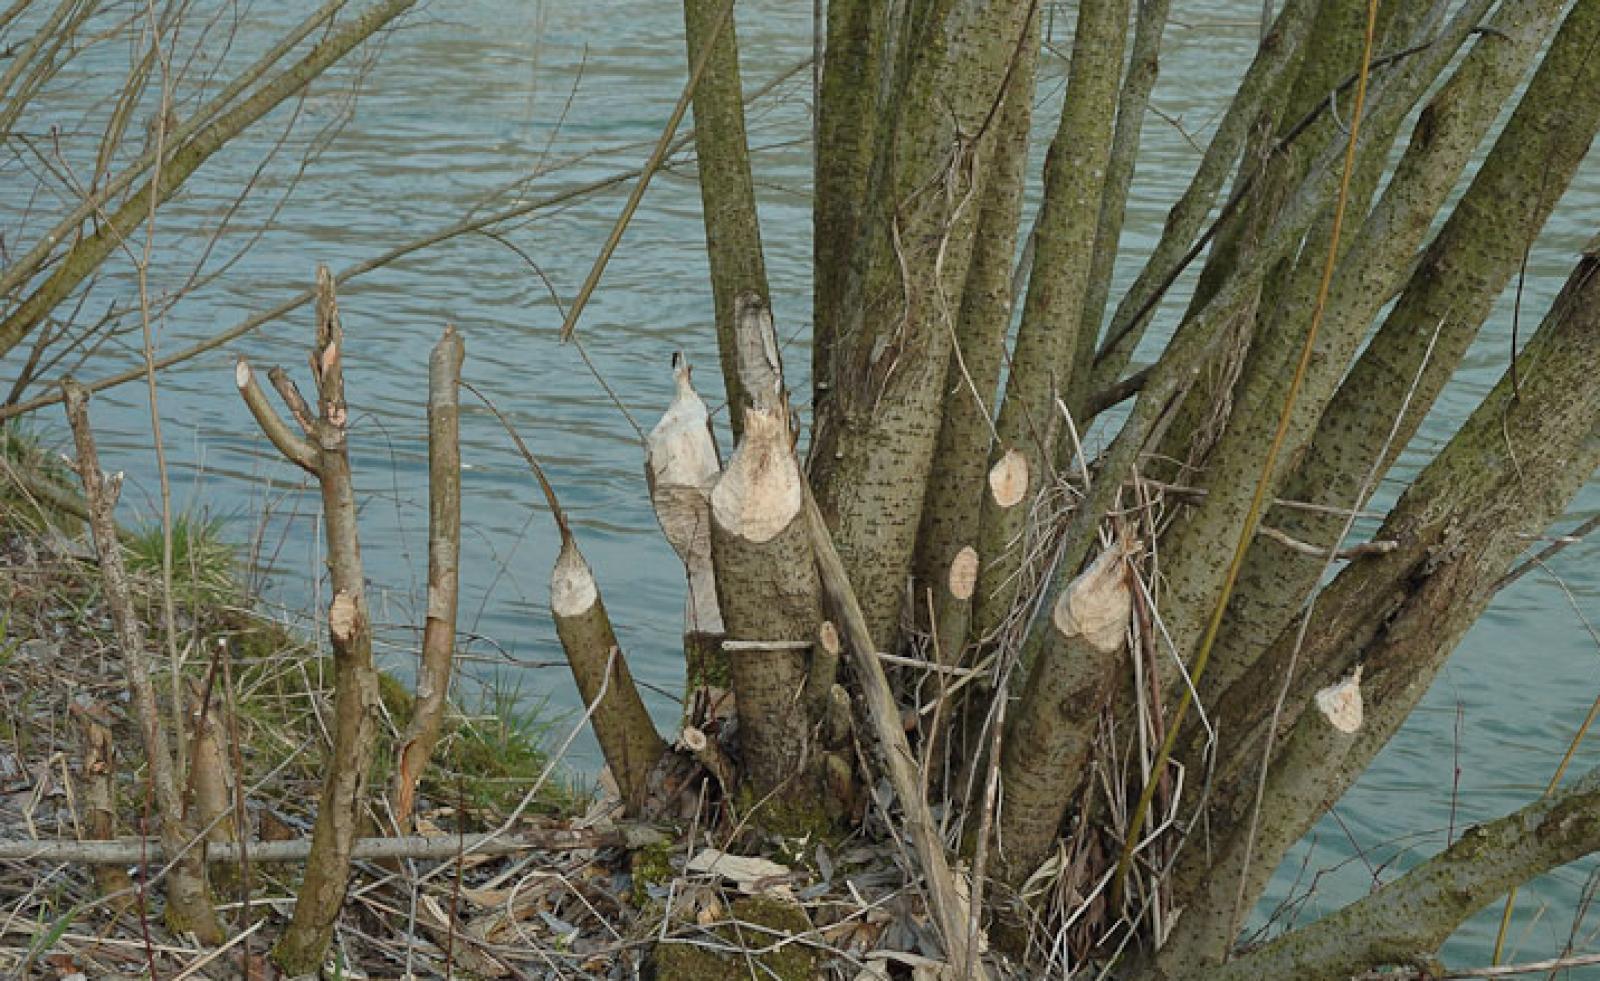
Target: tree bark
x,y
98,779
1297,791
1374,264
727,192
851,103
1270,72
1046,358
1144,65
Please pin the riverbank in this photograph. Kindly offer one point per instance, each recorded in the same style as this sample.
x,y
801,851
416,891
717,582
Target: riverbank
x,y
566,889
270,689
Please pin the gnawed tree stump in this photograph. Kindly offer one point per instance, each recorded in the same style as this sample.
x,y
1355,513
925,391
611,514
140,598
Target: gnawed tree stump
x,y
628,739
681,467
1048,740
771,600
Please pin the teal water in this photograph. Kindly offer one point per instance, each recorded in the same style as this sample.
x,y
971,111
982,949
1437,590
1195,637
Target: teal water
x,y
472,106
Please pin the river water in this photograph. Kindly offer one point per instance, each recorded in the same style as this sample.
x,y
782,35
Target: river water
x,y
468,100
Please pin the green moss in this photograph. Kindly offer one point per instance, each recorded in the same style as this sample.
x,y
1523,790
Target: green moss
x,y
807,817
791,962
651,866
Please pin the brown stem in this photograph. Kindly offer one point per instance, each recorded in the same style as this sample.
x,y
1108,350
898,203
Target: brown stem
x,y
356,707
444,571
188,904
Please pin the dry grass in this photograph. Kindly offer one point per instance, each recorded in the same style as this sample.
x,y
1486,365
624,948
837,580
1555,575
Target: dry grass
x,y
574,913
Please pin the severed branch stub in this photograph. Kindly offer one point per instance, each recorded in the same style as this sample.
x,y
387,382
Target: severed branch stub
x,y
188,903
444,572
628,739
341,808
1049,736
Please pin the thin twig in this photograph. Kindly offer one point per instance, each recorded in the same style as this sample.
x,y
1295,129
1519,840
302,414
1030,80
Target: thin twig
x,y
651,165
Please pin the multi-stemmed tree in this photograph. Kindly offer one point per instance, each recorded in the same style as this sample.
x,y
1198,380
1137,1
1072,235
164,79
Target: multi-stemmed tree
x,y
1020,630
1063,611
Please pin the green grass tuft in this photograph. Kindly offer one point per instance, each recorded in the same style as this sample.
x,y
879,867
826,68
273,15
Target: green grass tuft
x,y
203,563
496,753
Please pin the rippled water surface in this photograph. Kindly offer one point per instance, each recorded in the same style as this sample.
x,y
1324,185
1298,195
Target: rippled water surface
x,y
470,98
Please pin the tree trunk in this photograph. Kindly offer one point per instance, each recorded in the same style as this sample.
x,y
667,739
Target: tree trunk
x,y
727,192
873,435
770,597
1049,738
1053,342
954,500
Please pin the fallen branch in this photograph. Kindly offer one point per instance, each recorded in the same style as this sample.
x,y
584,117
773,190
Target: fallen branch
x,y
132,851
946,897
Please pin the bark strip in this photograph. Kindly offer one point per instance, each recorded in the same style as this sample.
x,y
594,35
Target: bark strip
x,y
949,900
131,851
